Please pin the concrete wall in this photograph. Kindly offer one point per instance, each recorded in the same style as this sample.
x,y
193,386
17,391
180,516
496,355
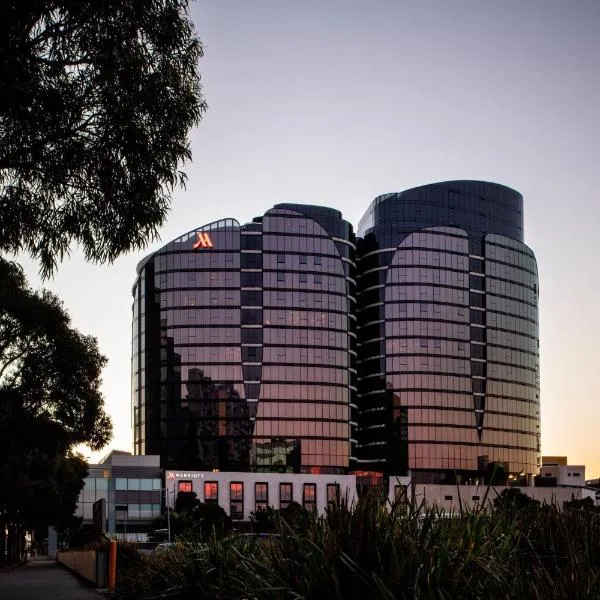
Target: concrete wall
x,y
80,561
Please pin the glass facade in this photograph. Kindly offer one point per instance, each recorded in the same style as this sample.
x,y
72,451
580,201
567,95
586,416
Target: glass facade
x,y
244,345
129,500
448,334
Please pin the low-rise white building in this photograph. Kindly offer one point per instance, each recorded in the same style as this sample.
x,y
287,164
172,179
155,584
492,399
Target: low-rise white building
x,y
241,494
564,473
453,499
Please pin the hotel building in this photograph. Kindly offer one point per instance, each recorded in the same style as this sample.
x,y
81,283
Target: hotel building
x,y
284,345
244,345
448,334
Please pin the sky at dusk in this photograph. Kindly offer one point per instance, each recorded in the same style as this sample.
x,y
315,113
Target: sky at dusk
x,y
335,102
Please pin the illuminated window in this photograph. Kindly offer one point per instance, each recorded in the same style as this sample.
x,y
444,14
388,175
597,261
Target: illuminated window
x,y
185,486
309,496
211,492
236,500
261,496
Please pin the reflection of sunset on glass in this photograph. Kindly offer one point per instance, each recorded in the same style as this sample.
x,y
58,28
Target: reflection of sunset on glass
x,y
334,103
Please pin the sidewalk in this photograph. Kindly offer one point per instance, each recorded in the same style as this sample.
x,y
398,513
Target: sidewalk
x,y
43,579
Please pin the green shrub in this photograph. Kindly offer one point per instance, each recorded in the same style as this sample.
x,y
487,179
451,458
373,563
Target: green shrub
x,y
372,551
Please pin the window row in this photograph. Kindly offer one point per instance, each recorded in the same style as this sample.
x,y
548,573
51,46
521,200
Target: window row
x,y
203,354
435,258
281,427
427,329
303,262
432,416
304,355
403,276
511,290
511,307
510,272
441,348
469,446
305,391
305,299
203,316
438,238
206,374
287,280
442,402
511,373
306,318
125,512
303,410
426,293
512,456
176,336
427,311
261,495
511,323
519,254
425,364
513,340
433,382
299,374
510,356
469,435
137,484
200,298
191,259
279,336
295,225
198,279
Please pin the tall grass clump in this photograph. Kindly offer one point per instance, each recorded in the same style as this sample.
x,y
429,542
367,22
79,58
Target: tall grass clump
x,y
372,551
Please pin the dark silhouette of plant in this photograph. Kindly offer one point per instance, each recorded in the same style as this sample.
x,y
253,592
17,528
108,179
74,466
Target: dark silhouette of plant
x,y
50,402
513,499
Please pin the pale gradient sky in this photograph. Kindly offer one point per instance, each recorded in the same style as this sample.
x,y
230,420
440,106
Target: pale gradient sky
x,y
336,101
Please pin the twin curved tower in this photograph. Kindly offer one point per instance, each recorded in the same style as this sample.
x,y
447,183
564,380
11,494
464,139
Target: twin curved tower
x,y
287,345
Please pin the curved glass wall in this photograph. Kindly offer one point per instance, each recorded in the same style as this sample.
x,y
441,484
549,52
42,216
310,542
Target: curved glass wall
x,y
244,345
448,338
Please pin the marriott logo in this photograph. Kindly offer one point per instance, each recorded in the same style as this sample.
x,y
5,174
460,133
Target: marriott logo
x,y
202,240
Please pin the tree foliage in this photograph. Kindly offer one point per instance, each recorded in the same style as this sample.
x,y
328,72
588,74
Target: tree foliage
x,y
96,102
50,401
192,518
49,372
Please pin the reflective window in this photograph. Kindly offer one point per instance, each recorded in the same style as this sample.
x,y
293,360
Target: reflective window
x,y
185,486
236,500
285,495
261,496
333,494
211,492
309,496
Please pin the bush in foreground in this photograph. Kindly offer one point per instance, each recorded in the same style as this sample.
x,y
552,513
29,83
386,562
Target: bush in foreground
x,y
370,551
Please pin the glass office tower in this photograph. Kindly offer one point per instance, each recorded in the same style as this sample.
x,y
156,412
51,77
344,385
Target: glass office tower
x,y
448,334
244,345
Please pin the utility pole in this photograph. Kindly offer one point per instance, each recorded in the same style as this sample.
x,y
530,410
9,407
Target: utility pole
x,y
168,515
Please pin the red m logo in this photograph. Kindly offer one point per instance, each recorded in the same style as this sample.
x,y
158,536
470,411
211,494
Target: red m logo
x,y
202,240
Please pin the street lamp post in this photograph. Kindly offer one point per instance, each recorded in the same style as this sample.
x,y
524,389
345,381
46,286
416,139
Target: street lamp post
x,y
168,516
166,491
